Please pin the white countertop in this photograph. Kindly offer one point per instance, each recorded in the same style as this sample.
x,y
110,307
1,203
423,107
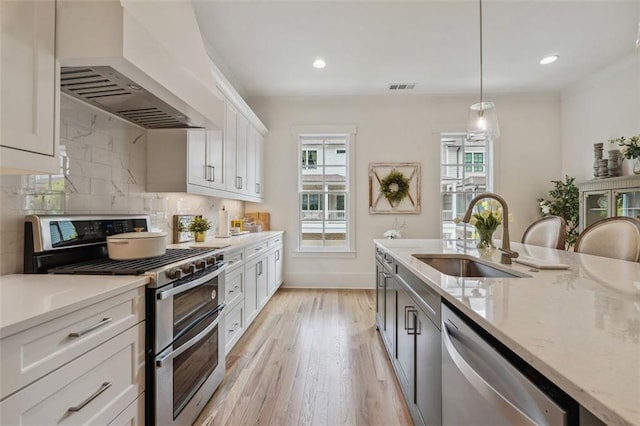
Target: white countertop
x,y
579,327
31,299
234,242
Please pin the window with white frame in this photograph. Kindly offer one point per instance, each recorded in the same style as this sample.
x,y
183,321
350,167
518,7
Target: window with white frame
x,y
325,192
466,171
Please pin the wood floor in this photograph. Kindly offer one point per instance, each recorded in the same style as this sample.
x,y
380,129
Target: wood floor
x,y
312,357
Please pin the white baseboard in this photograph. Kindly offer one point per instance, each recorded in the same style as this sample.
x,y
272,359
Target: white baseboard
x,y
338,280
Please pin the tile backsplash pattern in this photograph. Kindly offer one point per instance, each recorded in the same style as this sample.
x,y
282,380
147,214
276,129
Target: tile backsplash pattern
x,y
103,170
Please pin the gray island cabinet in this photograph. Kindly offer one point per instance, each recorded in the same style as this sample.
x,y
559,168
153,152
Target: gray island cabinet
x,y
566,331
415,351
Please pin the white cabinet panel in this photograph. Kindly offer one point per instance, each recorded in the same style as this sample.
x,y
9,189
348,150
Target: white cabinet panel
x,y
196,145
133,415
186,161
242,135
250,292
234,323
35,352
29,87
230,142
94,388
234,286
215,159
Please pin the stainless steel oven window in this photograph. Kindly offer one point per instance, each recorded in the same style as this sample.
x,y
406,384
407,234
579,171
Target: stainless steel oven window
x,y
172,317
192,306
192,368
189,362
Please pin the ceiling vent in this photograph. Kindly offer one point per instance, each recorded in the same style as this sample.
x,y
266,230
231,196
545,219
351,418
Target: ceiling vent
x,y
402,86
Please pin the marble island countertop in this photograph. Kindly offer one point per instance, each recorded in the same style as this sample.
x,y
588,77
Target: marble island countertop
x,y
580,327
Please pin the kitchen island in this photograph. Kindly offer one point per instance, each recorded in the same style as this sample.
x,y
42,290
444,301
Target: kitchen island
x,y
579,327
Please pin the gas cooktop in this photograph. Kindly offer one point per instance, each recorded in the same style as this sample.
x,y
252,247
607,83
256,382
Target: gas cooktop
x,y
107,266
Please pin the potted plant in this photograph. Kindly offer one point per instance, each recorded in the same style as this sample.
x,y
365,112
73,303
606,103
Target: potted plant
x,y
630,150
564,202
199,226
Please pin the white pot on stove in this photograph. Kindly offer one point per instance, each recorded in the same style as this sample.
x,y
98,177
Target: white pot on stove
x,y
136,245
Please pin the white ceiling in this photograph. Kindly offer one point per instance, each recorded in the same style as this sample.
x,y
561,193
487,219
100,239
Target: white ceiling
x,y
266,47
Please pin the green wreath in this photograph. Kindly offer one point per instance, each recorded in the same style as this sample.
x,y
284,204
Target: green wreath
x,y
395,187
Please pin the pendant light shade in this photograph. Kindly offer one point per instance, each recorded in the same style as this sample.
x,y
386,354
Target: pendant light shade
x,y
483,121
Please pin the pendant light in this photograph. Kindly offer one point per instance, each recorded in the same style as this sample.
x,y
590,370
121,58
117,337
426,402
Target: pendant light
x,y
483,121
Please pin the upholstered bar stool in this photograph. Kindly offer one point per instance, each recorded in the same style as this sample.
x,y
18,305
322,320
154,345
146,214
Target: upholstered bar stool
x,y
546,232
615,237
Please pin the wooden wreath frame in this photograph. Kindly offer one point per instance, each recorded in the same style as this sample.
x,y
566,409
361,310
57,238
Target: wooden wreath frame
x,y
379,204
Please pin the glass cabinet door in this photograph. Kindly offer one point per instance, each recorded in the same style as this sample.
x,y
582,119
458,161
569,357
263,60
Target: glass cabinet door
x,y
627,203
596,207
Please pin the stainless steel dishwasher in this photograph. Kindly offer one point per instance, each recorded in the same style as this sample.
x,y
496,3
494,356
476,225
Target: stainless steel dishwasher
x,y
481,387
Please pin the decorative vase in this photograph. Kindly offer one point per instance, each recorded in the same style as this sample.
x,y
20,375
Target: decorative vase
x,y
636,167
485,239
200,237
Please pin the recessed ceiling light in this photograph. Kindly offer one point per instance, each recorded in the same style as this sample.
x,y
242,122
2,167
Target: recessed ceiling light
x,y
319,63
549,59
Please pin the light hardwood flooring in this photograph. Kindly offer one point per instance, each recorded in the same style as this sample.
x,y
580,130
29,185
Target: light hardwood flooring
x,y
312,357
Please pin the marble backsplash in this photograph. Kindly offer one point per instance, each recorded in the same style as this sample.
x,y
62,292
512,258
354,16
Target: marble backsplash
x,y
102,170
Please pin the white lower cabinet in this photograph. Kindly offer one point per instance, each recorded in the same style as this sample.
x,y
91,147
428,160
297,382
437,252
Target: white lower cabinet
x,y
84,367
256,286
35,352
234,322
133,415
94,388
234,287
250,285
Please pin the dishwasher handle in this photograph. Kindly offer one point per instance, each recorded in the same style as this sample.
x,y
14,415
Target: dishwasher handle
x,y
502,403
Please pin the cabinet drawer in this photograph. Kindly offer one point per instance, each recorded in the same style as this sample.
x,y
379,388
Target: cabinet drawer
x,y
233,259
234,286
275,241
235,326
426,298
255,250
33,353
133,415
93,389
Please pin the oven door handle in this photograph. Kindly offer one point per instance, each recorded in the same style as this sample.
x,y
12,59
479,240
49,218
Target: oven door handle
x,y
182,288
161,359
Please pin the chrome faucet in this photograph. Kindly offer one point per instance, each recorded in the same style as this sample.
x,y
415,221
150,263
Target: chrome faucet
x,y
507,253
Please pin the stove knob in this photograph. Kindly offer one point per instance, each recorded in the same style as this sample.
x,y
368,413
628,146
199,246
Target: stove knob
x,y
211,260
173,274
201,264
189,269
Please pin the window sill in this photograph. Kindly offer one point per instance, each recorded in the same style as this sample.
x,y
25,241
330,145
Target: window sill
x,y
344,254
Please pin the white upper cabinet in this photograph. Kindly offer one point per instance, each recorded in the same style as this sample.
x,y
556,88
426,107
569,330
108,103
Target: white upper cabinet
x,y
255,160
244,148
242,143
186,161
230,143
215,159
28,83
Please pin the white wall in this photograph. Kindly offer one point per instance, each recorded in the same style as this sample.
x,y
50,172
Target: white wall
x,y
604,106
105,172
402,128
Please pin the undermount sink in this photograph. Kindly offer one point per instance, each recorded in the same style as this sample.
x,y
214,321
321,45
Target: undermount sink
x,y
460,265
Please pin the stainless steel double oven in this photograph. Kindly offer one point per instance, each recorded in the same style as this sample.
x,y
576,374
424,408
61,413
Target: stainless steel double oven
x,y
187,355
185,302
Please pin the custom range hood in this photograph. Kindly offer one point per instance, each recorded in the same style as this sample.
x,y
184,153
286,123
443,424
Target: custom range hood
x,y
142,61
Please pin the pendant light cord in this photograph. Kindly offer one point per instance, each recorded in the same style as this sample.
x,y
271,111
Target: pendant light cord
x,y
481,105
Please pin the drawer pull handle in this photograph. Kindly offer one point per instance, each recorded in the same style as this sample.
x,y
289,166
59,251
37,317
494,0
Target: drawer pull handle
x,y
104,387
104,322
